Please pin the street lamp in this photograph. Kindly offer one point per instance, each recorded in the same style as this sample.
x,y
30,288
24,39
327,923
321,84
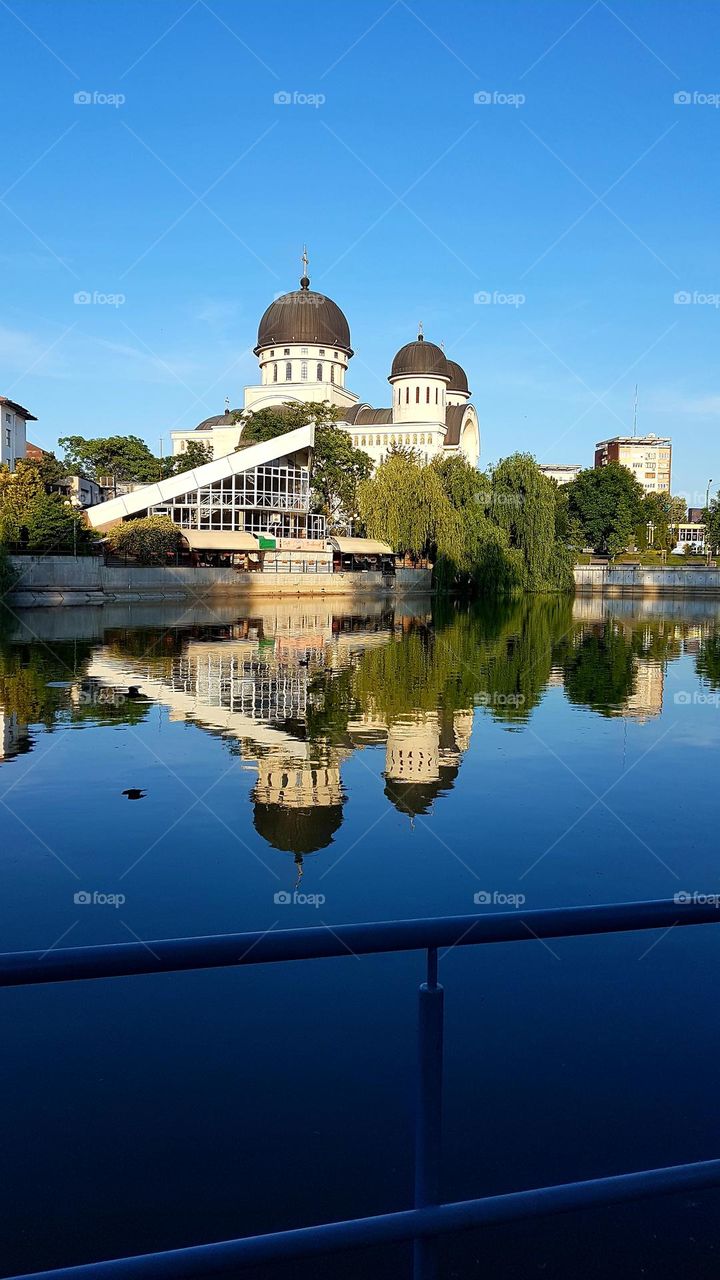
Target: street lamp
x,y
707,521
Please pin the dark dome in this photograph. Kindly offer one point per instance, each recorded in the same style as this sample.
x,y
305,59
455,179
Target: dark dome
x,y
298,831
303,316
458,377
225,419
420,357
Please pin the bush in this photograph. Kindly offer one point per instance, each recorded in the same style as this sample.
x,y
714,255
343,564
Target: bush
x,y
7,574
149,540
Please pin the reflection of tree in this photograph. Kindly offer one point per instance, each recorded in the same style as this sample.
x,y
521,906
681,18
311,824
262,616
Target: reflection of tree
x,y
599,669
707,663
43,685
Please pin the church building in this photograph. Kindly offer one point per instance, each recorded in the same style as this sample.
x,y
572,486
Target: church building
x,y
304,351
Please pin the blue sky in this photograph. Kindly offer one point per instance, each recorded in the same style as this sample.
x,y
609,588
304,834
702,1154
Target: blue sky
x,y
594,199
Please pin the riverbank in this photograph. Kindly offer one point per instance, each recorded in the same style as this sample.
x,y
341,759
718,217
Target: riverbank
x,y
87,580
619,580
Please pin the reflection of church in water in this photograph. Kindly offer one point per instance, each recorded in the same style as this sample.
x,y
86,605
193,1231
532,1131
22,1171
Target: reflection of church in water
x,y
257,687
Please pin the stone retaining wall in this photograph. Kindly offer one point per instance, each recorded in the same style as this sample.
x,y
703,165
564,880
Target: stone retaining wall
x,y
63,580
623,580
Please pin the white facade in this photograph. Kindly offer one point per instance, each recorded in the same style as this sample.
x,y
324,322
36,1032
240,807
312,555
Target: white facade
x,y
560,472
13,437
429,412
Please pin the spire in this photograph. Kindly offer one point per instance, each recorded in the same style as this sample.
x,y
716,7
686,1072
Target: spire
x,y
421,335
305,280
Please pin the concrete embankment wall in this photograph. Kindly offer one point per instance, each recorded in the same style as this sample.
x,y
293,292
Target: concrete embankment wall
x,y
63,580
616,581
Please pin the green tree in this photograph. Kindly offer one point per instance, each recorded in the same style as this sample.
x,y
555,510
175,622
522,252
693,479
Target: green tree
x,y
149,540
277,419
405,504
195,454
657,510
608,504
712,520
29,513
523,506
125,458
337,470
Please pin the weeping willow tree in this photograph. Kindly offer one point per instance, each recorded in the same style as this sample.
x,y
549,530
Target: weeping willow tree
x,y
522,505
405,504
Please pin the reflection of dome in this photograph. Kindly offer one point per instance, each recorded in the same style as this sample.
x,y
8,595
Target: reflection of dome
x,y
412,750
458,377
304,316
297,830
417,797
420,357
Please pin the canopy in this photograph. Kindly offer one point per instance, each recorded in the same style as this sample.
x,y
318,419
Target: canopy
x,y
361,547
219,540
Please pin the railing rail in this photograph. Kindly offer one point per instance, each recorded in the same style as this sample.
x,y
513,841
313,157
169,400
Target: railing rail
x,y
430,1218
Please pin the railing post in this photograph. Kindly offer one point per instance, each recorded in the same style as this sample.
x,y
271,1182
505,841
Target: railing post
x,y
428,1126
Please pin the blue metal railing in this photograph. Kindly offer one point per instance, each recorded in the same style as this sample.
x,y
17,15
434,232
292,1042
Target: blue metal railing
x,y
431,1217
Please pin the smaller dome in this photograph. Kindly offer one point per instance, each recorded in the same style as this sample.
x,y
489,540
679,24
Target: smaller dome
x,y
458,377
420,357
225,419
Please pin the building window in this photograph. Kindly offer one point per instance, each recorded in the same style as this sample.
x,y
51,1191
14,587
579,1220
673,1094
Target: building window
x,y
417,395
303,371
319,373
272,353
288,372
286,351
377,440
407,395
7,437
321,351
303,351
335,354
274,373
436,395
332,372
427,395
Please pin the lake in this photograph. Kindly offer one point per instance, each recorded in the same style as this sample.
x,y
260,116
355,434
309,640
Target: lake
x,y
171,770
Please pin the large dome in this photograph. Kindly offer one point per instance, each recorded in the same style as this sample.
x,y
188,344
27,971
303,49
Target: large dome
x,y
420,357
304,316
458,378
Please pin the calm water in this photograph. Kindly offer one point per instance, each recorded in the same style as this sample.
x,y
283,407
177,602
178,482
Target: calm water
x,y
392,764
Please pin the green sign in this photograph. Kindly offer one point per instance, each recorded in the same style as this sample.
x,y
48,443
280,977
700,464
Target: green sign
x,y
266,544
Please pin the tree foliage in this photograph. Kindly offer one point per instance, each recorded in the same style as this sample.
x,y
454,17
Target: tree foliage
x,y
405,504
125,458
149,540
608,504
195,454
277,419
29,514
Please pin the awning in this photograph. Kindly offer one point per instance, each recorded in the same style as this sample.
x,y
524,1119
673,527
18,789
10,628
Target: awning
x,y
219,540
361,547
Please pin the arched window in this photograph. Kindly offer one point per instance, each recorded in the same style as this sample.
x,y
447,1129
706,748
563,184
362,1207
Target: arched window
x,y
303,371
332,372
417,395
362,440
377,440
274,373
414,440
318,373
288,372
407,395
427,395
